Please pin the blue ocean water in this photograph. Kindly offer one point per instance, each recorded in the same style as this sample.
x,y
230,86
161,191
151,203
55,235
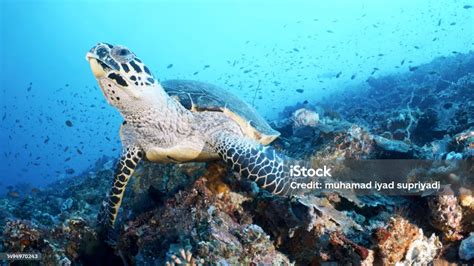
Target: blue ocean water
x,y
55,123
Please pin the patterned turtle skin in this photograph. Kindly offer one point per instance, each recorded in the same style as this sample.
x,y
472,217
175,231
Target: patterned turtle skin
x,y
181,121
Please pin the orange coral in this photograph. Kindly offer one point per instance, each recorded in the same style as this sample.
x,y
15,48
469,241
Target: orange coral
x,y
393,242
215,172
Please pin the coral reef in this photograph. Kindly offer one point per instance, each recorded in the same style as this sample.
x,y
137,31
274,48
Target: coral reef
x,y
404,243
346,251
22,236
305,118
209,222
304,121
417,107
446,215
422,251
178,255
466,249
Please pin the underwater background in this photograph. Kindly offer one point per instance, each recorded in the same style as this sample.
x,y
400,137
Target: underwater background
x,y
342,81
270,53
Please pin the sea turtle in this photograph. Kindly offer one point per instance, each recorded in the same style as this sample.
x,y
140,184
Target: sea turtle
x,y
182,121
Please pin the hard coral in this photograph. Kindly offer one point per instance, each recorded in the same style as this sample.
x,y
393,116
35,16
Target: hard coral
x,y
446,216
466,249
393,242
464,143
423,250
215,173
352,143
177,255
304,117
349,252
466,200
80,238
19,236
214,226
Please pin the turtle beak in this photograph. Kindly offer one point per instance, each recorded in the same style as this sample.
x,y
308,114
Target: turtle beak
x,y
96,67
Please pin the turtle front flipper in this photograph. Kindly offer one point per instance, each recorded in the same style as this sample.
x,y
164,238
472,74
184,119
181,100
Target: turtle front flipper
x,y
132,155
261,164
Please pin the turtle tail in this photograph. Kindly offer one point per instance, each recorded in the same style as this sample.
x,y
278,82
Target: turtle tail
x,y
269,169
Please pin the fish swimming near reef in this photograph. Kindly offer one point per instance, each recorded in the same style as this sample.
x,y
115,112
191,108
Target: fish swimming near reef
x,y
327,75
13,194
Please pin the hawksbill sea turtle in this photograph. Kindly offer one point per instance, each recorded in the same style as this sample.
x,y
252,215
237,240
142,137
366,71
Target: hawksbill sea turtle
x,y
182,121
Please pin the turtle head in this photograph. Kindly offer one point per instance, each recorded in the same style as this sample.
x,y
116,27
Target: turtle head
x,y
123,78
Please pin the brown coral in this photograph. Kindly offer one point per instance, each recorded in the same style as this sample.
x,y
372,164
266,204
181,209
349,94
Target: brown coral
x,y
353,143
446,216
215,172
79,238
466,200
393,242
20,236
346,250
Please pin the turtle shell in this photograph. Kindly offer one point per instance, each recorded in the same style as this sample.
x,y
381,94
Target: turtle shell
x,y
198,96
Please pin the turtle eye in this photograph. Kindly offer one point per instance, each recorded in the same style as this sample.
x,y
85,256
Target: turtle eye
x,y
124,52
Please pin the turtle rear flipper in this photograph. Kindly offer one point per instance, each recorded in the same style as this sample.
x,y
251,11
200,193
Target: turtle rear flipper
x,y
261,164
105,232
126,166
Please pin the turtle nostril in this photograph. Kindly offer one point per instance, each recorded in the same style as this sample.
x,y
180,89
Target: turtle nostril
x,y
101,52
